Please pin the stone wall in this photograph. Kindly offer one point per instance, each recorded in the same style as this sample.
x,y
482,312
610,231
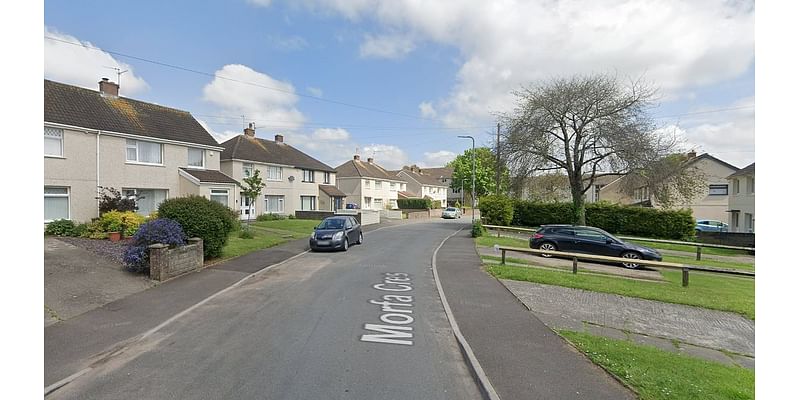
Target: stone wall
x,y
166,263
313,214
391,214
417,214
728,238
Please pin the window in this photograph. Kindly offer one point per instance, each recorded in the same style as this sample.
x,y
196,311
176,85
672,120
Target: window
x,y
718,190
274,204
366,184
308,176
247,170
392,186
735,220
56,203
367,202
641,194
220,196
597,191
53,142
308,203
147,200
735,185
378,203
590,235
274,173
393,203
327,177
196,158
751,185
378,185
748,222
143,152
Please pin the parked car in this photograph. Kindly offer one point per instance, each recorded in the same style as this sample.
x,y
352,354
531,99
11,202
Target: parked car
x,y
589,240
336,232
351,206
710,225
451,213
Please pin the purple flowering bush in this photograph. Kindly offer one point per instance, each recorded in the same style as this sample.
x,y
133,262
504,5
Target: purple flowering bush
x,y
162,230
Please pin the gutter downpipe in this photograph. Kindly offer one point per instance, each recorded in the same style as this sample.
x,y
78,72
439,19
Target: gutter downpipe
x,y
97,170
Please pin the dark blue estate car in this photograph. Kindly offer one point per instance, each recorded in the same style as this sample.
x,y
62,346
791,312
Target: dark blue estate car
x,y
337,232
585,239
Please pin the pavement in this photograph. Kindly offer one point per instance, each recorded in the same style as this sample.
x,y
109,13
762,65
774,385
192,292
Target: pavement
x,y
521,356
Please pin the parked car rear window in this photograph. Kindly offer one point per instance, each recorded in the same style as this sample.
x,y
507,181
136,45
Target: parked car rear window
x,y
564,231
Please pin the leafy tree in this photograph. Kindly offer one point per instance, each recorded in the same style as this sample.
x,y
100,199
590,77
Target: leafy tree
x,y
584,126
485,169
252,189
111,199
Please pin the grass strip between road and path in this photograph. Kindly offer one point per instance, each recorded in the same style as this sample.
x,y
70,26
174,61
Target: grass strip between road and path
x,y
300,226
690,249
265,234
723,293
657,374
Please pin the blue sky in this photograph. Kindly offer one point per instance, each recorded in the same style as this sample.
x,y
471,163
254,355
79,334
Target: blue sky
x,y
438,69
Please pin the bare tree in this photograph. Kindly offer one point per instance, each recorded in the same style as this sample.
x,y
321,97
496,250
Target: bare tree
x,y
585,126
669,181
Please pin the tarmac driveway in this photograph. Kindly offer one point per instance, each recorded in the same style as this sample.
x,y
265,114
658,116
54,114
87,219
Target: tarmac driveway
x,y
77,280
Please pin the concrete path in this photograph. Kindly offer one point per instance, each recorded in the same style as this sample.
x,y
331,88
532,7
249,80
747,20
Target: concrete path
x,y
521,356
701,332
77,280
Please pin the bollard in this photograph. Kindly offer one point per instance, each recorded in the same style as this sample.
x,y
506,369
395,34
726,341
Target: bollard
x,y
685,282
503,259
698,252
574,265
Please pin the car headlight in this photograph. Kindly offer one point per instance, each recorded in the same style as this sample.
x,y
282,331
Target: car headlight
x,y
338,235
314,235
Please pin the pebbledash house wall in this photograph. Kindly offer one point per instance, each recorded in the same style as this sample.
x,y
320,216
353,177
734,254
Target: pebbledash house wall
x,y
77,168
356,190
291,190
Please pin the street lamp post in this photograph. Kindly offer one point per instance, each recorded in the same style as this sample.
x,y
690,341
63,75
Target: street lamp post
x,y
473,174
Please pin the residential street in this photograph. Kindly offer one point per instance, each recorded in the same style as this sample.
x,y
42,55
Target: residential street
x,y
298,332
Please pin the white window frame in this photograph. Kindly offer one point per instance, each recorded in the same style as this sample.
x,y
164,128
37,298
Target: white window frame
x,y
281,203
308,176
313,203
248,167
367,184
202,158
736,187
135,146
67,195
378,185
136,194
60,133
326,178
218,194
274,173
392,186
715,189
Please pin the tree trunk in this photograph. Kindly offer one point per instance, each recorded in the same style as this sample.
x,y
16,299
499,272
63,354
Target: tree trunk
x,y
579,216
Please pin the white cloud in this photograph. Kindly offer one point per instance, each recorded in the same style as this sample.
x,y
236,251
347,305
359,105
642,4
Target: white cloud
x,y
387,46
287,43
437,159
266,101
218,136
314,91
385,155
677,44
426,109
331,134
84,66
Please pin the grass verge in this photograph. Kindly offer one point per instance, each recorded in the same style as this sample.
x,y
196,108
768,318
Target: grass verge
x,y
690,249
708,291
657,374
299,226
237,246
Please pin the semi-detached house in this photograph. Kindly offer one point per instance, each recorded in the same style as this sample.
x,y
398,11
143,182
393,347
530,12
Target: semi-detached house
x,y
98,138
369,185
424,185
294,180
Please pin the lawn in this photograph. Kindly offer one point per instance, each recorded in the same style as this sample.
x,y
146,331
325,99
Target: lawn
x,y
657,374
490,241
705,290
266,234
690,249
302,227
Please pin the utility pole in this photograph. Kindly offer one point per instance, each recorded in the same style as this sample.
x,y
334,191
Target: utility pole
x,y
497,164
473,173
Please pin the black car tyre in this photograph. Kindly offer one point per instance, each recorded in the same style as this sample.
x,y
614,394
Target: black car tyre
x,y
632,255
360,238
345,245
547,246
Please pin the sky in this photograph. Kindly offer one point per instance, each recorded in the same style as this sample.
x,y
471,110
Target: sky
x,y
400,80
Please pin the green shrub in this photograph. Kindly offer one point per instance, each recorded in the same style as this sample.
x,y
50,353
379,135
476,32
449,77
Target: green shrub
x,y
203,218
477,229
496,210
414,204
81,230
436,204
60,227
270,217
291,216
245,234
127,222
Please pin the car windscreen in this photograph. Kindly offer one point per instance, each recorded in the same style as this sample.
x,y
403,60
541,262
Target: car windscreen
x,y
450,209
331,224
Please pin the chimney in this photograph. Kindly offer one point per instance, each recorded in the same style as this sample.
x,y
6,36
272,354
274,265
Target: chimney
x,y
108,88
250,131
356,157
369,160
692,154
278,138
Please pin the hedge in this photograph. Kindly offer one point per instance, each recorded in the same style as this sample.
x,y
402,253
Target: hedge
x,y
414,204
626,220
496,210
203,218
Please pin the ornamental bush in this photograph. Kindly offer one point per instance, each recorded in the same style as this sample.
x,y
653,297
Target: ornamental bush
x,y
162,230
126,222
60,227
203,218
496,210
270,217
478,229
414,204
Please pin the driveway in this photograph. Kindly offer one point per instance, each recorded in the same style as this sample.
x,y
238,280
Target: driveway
x,y
77,280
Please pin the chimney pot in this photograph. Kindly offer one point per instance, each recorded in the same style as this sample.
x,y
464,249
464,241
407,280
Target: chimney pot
x,y
692,154
250,131
278,138
369,160
356,157
108,88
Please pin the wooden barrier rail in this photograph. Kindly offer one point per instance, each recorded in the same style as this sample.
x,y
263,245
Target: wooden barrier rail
x,y
656,264
699,246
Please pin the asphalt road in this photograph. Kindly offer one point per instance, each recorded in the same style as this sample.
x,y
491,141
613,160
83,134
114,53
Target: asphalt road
x,y
307,330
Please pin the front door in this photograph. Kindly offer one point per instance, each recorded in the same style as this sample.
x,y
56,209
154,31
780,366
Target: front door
x,y
248,208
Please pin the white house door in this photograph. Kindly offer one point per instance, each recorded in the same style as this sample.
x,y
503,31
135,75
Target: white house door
x,y
248,208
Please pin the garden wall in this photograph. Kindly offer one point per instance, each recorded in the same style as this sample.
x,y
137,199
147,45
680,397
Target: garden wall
x,y
166,263
313,214
728,238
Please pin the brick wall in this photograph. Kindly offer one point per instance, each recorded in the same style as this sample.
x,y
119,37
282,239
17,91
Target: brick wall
x,y
417,214
312,214
166,263
728,238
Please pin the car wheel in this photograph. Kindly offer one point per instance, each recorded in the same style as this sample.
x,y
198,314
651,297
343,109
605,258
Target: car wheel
x,y
631,255
345,245
547,246
360,238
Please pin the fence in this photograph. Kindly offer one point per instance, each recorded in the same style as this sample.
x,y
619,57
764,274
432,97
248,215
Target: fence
x,y
698,252
656,264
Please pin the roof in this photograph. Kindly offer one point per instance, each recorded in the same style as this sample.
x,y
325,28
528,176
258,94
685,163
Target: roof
x,y
748,170
446,172
209,176
85,108
407,195
247,148
707,156
424,179
358,168
332,191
